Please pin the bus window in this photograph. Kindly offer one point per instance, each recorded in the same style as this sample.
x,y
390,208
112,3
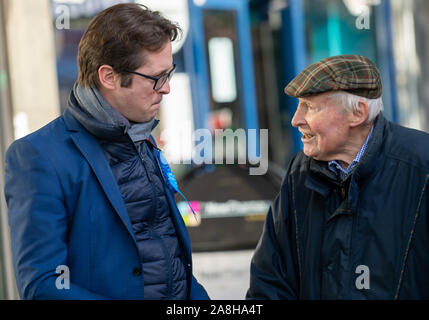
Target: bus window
x,y
222,70
339,27
221,47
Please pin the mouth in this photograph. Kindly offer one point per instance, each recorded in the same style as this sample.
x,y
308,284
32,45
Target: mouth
x,y
307,136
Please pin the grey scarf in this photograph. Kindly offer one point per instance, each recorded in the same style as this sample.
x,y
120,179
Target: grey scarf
x,y
94,104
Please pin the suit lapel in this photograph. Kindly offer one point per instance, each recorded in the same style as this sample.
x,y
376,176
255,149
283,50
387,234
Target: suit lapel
x,y
92,152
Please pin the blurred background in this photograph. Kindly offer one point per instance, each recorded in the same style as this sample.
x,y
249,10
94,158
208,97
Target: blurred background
x,y
233,61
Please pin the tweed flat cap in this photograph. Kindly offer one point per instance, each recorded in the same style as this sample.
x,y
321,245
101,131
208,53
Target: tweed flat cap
x,y
352,73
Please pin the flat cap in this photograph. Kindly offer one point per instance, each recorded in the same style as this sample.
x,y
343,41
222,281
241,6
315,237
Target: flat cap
x,y
352,73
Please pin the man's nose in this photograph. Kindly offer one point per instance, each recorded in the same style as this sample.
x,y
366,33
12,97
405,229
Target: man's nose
x,y
298,118
165,89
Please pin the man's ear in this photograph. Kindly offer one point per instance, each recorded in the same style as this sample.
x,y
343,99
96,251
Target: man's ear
x,y
107,77
360,115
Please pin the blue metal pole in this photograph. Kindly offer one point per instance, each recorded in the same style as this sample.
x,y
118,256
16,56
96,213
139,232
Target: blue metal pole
x,y
199,76
294,56
247,70
387,13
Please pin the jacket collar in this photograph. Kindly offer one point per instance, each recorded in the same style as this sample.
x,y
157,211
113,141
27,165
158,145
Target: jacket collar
x,y
367,164
320,179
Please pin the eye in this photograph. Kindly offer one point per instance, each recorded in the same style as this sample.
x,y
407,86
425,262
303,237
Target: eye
x,y
312,108
303,105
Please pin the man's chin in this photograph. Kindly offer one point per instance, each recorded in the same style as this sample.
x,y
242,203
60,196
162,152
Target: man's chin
x,y
150,119
308,153
142,120
314,156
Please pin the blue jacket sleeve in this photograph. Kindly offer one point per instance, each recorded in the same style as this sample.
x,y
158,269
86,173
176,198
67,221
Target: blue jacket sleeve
x,y
38,224
197,291
273,271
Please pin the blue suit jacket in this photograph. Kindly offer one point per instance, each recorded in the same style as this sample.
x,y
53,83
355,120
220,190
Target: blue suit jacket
x,y
65,208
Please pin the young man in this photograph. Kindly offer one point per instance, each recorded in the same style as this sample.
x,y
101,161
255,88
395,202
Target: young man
x,y
88,194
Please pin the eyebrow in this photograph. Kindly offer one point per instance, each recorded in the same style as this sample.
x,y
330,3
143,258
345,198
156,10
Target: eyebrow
x,y
303,103
164,71
308,103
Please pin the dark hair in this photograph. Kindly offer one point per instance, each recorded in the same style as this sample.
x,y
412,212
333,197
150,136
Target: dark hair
x,y
116,37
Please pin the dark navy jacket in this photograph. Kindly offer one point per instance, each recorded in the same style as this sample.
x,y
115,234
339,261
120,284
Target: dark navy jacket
x,y
65,208
320,234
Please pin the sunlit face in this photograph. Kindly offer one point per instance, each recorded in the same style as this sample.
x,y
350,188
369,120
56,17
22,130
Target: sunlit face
x,y
324,126
140,102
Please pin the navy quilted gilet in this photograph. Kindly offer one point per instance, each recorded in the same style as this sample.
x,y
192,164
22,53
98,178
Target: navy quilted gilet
x,y
142,189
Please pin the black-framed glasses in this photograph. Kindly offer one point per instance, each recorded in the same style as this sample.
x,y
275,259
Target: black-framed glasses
x,y
159,81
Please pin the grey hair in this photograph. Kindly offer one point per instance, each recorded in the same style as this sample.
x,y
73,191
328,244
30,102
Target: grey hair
x,y
350,102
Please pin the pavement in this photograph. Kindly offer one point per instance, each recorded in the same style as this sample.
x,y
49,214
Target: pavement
x,y
224,274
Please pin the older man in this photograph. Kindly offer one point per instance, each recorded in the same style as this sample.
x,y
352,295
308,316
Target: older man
x,y
351,219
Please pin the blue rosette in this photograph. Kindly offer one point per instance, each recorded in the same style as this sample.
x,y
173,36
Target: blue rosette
x,y
169,177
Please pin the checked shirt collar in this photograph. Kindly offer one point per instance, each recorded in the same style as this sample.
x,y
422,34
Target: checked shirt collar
x,y
342,173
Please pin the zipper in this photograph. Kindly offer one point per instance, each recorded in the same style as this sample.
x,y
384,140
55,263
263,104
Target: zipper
x,y
153,234
144,163
157,162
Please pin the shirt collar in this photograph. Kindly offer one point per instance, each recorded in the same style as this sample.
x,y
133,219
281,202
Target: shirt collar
x,y
342,173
